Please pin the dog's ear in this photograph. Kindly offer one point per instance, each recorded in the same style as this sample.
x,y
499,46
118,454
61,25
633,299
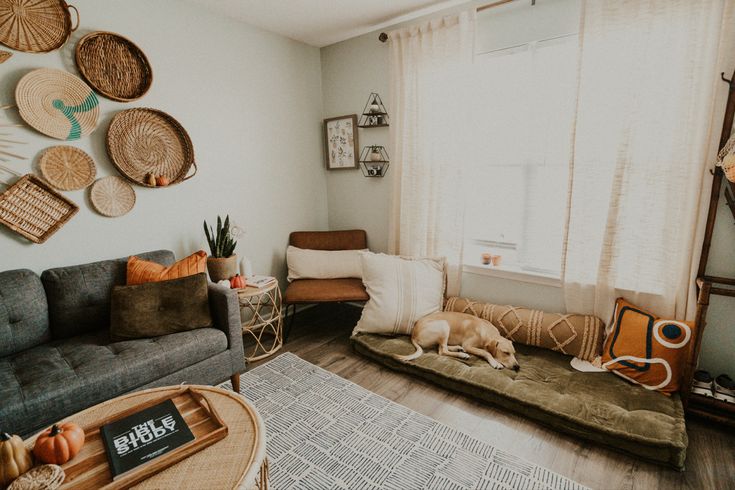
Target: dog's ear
x,y
492,346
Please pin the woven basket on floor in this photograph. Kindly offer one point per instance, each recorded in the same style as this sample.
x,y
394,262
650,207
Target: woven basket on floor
x,y
33,209
35,26
57,104
4,56
112,196
114,66
67,168
148,141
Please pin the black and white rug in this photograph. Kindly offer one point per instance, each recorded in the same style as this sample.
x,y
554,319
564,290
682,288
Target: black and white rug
x,y
325,432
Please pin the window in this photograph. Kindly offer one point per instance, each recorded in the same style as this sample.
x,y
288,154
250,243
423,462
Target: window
x,y
525,98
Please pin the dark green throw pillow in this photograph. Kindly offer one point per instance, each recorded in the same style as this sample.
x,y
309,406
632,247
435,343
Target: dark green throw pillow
x,y
159,308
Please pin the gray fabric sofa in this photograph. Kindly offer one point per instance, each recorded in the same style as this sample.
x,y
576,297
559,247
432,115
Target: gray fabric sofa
x,y
56,357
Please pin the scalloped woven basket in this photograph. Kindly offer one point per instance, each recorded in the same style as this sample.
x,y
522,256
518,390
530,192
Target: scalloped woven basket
x,y
67,168
57,104
35,26
112,196
148,141
114,66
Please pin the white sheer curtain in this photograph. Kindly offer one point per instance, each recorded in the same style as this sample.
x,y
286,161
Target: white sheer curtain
x,y
649,112
429,64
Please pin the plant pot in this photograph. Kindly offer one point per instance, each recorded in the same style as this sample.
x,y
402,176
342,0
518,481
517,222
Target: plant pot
x,y
222,268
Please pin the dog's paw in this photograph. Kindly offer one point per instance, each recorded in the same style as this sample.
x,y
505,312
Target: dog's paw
x,y
463,355
496,365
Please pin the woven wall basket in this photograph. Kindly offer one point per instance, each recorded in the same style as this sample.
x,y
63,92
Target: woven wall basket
x,y
67,168
5,55
112,196
148,141
57,104
33,209
36,26
114,66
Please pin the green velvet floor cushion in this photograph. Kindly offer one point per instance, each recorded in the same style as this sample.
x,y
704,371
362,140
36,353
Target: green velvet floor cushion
x,y
599,407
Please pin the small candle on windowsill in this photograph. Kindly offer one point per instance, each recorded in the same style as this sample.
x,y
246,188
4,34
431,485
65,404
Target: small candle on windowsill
x,y
486,258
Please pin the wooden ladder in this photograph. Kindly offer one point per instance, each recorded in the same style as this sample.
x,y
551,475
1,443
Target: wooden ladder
x,y
695,404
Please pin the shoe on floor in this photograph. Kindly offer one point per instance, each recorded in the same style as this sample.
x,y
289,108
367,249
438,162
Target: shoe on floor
x,y
724,388
703,384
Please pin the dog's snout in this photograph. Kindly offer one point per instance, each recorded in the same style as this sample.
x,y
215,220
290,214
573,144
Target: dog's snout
x,y
516,368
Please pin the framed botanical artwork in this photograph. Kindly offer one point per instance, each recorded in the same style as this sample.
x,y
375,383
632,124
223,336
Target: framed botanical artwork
x,y
340,142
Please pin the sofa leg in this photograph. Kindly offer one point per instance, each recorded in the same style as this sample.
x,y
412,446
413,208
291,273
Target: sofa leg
x,y
235,379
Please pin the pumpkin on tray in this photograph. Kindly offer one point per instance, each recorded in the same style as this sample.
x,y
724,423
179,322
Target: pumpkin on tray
x,y
15,458
59,444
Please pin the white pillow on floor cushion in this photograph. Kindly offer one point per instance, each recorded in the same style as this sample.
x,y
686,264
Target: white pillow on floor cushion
x,y
402,290
304,263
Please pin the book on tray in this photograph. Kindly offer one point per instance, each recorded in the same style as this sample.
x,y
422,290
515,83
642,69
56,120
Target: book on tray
x,y
260,281
144,436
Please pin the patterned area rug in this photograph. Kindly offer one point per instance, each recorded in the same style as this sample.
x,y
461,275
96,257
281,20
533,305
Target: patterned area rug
x,y
326,432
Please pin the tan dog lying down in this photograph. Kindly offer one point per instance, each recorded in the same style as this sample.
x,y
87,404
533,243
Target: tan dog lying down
x,y
460,334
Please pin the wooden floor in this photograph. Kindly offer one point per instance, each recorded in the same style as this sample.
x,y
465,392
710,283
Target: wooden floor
x,y
321,336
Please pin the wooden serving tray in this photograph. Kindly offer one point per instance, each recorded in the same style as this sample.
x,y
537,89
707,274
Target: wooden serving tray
x,y
90,468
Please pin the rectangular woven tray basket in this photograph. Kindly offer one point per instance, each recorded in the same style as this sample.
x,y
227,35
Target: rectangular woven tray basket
x,y
34,210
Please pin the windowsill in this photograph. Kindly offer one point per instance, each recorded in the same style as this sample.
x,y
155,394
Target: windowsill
x,y
514,273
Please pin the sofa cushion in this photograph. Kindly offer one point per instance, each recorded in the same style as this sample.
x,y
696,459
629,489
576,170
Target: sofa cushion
x,y
79,295
160,308
23,312
56,379
325,291
141,271
596,406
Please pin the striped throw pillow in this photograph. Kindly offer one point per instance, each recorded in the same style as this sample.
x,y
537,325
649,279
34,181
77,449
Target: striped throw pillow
x,y
402,290
143,271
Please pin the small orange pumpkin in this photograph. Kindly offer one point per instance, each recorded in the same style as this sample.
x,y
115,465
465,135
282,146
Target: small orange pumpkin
x,y
237,282
59,444
162,181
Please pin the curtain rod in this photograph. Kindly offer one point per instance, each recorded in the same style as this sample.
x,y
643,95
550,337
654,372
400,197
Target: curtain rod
x,y
383,37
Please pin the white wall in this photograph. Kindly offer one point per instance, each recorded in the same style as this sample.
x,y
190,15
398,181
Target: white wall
x,y
251,102
353,68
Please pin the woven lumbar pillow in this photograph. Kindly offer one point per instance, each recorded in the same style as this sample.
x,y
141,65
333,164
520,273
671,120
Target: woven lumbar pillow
x,y
305,263
575,335
143,271
645,349
402,290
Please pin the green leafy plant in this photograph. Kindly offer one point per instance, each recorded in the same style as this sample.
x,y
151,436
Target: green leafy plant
x,y
222,243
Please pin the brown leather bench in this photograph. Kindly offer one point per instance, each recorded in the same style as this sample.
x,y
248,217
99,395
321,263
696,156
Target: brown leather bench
x,y
309,291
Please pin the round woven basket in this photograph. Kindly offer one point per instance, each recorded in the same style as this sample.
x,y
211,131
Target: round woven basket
x,y
57,104
114,66
148,141
112,196
67,168
47,477
36,26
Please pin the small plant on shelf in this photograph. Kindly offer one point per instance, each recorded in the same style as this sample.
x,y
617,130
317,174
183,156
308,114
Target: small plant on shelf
x,y
222,264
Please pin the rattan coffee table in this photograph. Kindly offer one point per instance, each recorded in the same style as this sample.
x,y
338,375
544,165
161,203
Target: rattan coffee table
x,y
237,461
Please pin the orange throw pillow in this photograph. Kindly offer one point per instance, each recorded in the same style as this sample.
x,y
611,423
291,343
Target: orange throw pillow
x,y
647,350
143,271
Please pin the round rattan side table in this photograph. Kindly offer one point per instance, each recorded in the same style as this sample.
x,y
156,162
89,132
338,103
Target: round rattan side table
x,y
262,327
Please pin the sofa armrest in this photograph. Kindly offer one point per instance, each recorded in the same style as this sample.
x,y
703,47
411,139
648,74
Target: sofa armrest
x,y
225,309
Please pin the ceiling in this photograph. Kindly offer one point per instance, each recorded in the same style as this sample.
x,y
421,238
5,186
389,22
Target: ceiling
x,y
324,22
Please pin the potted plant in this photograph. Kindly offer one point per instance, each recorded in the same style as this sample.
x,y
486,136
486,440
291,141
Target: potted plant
x,y
222,263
